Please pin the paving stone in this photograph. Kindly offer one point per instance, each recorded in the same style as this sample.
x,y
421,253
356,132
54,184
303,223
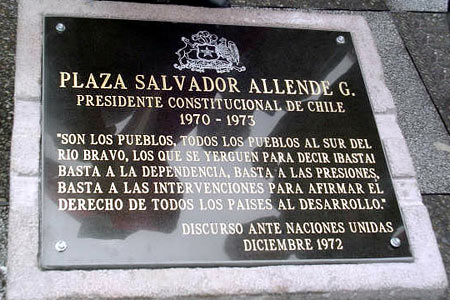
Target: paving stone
x,y
8,11
427,38
315,4
25,155
28,56
396,150
439,209
426,136
418,5
407,191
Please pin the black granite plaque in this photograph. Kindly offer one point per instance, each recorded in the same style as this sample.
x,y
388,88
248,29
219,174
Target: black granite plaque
x,y
172,144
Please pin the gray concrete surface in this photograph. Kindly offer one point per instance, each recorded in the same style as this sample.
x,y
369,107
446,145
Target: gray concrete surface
x,y
418,117
8,11
418,5
315,4
3,248
425,133
427,38
439,208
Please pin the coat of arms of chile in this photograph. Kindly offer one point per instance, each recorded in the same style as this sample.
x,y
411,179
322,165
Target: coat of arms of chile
x,y
207,51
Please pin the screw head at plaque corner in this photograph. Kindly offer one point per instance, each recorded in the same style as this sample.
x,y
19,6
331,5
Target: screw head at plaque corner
x,y
60,27
340,39
61,246
395,242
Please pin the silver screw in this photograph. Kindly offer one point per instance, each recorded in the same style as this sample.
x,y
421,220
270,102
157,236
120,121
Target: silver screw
x,y
61,246
340,39
60,27
395,242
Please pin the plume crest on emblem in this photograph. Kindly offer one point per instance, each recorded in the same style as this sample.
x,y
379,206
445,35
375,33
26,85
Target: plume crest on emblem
x,y
207,51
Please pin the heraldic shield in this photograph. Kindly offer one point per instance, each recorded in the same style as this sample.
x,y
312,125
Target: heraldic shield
x,y
206,51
